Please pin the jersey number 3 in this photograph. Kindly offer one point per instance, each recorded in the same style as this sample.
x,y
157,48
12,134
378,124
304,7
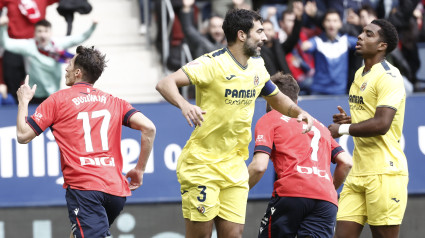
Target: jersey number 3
x,y
103,128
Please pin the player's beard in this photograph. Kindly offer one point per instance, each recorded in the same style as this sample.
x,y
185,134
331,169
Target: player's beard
x,y
250,50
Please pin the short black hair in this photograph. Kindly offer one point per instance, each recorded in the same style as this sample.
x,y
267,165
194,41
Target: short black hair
x,y
387,33
239,19
43,22
287,85
91,62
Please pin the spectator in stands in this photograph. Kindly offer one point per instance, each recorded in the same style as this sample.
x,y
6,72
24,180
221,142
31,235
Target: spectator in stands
x,y
200,44
404,21
300,63
272,9
221,7
23,14
44,55
330,50
273,52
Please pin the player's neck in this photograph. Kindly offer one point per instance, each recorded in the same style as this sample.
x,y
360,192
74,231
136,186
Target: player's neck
x,y
370,62
238,54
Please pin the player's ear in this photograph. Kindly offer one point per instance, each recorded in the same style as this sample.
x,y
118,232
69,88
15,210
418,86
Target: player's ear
x,y
382,46
78,73
242,35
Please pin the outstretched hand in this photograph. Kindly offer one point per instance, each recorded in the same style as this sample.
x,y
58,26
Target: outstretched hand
x,y
341,117
136,179
25,93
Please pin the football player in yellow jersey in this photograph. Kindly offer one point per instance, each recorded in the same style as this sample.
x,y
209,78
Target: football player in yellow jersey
x,y
211,168
375,191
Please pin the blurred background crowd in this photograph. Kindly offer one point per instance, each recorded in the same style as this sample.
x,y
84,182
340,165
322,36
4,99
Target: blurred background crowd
x,y
313,40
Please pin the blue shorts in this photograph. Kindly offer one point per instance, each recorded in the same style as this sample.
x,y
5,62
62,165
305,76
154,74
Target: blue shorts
x,y
92,212
298,217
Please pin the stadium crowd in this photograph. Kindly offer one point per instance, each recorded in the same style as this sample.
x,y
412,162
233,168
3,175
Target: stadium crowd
x,y
312,40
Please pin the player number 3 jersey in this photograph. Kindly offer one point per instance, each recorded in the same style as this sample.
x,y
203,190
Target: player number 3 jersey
x,y
227,91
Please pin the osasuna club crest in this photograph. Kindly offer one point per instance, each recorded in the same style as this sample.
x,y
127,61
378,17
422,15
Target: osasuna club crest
x,y
256,80
363,87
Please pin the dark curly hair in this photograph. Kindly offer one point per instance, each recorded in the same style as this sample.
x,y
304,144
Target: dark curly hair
x,y
91,62
387,33
287,85
239,19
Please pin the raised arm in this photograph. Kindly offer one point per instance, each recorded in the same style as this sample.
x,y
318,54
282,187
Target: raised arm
x,y
74,40
17,46
24,132
193,37
169,89
286,106
140,122
257,167
293,38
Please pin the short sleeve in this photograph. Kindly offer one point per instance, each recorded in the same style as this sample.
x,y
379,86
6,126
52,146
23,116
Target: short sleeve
x,y
336,149
390,90
44,116
264,134
200,70
128,111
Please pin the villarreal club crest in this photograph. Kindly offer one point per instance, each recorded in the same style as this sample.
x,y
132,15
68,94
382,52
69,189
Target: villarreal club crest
x,y
256,80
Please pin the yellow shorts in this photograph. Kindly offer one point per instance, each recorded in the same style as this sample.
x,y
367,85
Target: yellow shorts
x,y
210,190
378,200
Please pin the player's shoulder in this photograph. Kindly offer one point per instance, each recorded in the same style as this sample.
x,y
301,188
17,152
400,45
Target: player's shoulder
x,y
209,58
387,69
215,55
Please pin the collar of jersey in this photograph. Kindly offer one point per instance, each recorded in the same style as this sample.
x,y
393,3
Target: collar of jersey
x,y
82,84
239,64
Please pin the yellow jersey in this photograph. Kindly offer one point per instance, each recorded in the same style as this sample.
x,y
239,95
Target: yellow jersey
x,y
227,91
382,86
